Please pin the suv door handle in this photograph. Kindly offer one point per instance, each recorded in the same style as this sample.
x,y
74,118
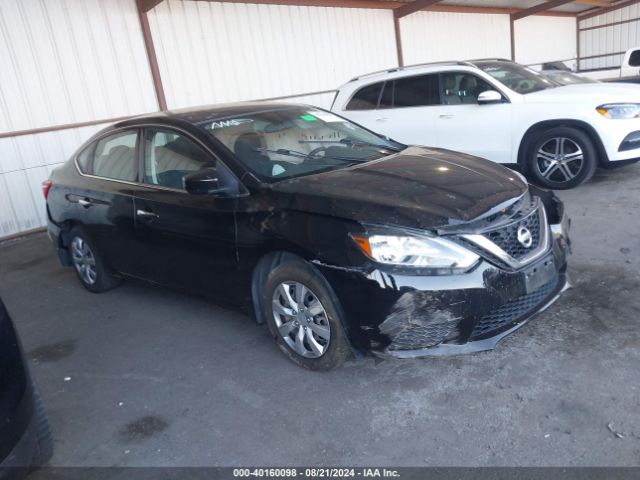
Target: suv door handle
x,y
85,202
446,115
147,215
381,119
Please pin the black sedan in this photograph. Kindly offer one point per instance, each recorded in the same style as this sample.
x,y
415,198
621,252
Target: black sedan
x,y
339,239
25,438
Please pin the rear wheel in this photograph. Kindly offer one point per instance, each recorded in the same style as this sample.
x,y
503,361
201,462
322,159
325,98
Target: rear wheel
x,y
303,316
562,158
90,266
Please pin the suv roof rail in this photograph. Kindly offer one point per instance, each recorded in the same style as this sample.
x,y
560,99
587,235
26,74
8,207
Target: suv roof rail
x,y
408,67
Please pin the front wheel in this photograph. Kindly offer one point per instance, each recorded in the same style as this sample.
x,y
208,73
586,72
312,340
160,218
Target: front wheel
x,y
304,317
562,158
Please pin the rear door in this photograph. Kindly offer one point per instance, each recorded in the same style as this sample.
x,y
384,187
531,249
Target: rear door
x,y
103,201
183,241
465,126
401,108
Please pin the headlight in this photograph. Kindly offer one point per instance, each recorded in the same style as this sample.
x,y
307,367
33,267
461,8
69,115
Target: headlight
x,y
414,251
619,110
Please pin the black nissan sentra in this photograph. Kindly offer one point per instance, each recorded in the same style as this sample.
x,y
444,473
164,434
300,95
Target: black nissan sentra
x,y
339,239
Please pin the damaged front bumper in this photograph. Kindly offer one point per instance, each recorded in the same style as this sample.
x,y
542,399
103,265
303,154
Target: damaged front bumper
x,y
406,316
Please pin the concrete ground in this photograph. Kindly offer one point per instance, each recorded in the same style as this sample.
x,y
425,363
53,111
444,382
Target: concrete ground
x,y
145,376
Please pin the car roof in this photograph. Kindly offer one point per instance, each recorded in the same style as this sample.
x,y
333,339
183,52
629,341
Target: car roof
x,y
195,115
422,67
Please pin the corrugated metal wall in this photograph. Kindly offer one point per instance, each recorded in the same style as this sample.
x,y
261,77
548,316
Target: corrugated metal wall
x,y
435,36
25,161
63,61
543,39
212,52
611,39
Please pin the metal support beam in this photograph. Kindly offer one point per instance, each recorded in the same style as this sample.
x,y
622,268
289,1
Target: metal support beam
x,y
151,54
599,11
538,8
146,5
396,27
413,7
512,36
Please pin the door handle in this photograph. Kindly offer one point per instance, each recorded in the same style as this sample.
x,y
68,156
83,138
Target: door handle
x,y
85,202
446,115
147,215
381,119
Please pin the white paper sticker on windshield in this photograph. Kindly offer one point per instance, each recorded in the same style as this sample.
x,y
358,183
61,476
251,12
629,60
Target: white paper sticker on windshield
x,y
234,122
325,116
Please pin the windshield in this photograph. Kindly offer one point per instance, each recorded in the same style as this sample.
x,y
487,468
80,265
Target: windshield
x,y
567,78
291,142
517,77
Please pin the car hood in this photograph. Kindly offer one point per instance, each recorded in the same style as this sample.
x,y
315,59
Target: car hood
x,y
592,93
416,188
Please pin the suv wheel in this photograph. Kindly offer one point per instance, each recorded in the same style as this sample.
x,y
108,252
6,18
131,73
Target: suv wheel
x,y
303,316
562,158
91,268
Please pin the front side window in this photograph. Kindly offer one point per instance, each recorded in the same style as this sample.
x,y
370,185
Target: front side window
x,y
114,157
416,91
289,142
366,98
459,88
517,77
170,156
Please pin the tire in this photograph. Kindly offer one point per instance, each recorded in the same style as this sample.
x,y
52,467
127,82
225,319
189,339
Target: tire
x,y
318,340
562,158
44,439
89,264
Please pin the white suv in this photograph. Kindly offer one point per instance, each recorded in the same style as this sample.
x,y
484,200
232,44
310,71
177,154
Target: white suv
x,y
502,111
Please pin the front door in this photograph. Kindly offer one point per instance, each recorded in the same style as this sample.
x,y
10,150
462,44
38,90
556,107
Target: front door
x,y
184,241
463,125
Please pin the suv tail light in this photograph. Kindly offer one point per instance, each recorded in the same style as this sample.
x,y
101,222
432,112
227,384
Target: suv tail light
x,y
46,186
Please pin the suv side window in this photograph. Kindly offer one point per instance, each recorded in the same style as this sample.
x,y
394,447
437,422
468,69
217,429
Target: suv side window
x,y
114,157
170,156
416,91
634,59
366,98
461,88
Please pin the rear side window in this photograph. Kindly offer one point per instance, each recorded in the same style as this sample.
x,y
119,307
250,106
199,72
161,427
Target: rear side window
x,y
416,91
634,59
115,157
85,158
170,156
366,98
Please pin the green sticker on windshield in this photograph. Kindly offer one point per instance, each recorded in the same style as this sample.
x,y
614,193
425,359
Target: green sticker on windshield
x,y
308,118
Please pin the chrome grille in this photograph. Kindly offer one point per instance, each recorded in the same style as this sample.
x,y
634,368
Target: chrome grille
x,y
507,237
501,246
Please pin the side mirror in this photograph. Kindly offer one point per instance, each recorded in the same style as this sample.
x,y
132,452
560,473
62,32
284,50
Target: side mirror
x,y
489,96
203,182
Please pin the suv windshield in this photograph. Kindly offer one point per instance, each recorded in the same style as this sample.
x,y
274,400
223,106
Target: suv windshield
x,y
291,142
517,77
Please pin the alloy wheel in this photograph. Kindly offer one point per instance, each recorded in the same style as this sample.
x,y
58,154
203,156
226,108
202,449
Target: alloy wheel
x,y
301,319
559,159
84,261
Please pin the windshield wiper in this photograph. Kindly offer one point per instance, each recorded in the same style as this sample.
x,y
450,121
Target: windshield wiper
x,y
282,151
354,143
293,153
